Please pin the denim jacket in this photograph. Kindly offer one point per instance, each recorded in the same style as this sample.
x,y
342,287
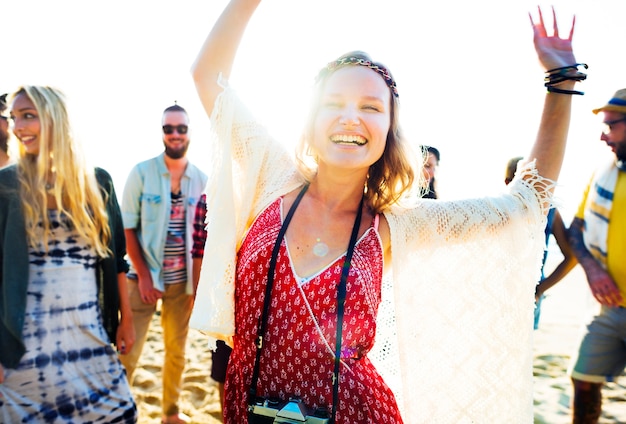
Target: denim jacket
x,y
146,204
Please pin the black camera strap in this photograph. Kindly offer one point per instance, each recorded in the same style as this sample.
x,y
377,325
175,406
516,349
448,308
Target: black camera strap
x,y
341,297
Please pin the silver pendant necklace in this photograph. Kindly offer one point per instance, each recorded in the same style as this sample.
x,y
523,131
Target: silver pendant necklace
x,y
320,248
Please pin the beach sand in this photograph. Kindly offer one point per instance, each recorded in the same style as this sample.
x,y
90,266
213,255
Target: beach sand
x,y
563,313
565,310
199,398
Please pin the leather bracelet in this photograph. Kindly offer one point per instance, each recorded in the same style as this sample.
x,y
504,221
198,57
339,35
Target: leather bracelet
x,y
553,89
567,68
557,76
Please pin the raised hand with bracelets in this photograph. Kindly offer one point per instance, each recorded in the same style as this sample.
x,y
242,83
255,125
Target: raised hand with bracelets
x,y
556,56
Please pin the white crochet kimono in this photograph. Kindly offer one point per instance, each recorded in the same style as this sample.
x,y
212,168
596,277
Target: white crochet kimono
x,y
454,336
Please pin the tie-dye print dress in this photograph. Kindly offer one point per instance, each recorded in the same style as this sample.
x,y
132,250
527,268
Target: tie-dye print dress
x,y
298,354
70,373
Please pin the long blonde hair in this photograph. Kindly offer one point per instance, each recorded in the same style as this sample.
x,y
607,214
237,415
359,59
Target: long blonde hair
x,y
78,197
390,178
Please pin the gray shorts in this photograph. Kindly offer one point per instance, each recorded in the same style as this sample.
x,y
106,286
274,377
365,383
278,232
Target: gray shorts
x,y
602,353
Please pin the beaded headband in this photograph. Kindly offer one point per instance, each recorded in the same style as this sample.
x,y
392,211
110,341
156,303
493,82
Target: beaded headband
x,y
352,60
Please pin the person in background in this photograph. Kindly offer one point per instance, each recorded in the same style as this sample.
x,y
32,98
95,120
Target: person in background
x,y
4,132
417,346
63,296
554,226
221,354
511,169
431,164
158,207
598,238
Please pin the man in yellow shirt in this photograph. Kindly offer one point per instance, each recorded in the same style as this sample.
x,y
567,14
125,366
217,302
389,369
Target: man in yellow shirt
x,y
598,237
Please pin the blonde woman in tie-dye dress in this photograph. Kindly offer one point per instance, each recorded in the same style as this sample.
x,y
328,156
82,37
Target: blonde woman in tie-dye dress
x,y
62,277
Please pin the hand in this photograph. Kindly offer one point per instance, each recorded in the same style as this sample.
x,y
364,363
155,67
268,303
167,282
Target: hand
x,y
552,51
538,295
149,295
603,287
125,337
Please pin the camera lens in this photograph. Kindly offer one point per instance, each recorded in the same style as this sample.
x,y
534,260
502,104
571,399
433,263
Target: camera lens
x,y
273,402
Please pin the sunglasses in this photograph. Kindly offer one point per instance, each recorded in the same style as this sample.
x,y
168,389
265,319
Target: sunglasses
x,y
181,129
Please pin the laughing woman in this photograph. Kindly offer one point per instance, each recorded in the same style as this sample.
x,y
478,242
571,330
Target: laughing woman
x,y
335,294
62,276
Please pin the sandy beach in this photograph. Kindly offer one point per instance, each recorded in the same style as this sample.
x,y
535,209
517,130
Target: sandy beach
x,y
563,314
199,397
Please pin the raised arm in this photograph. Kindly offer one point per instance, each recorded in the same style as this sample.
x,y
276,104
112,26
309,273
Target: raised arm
x,y
218,51
554,53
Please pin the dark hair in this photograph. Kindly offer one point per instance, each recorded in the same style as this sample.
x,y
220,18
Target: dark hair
x,y
433,151
511,167
175,108
3,102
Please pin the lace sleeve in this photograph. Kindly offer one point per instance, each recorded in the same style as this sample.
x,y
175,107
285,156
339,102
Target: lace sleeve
x,y
464,275
249,170
528,183
440,223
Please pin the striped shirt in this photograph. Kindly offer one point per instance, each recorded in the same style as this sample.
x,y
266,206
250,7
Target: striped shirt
x,y
174,266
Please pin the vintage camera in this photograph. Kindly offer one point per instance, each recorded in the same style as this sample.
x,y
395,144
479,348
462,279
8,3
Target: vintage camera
x,y
293,411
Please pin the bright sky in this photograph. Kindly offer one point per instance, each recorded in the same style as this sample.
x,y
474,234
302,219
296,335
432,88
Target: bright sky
x,y
467,73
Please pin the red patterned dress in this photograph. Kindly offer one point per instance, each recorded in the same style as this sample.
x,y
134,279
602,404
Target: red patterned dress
x,y
298,352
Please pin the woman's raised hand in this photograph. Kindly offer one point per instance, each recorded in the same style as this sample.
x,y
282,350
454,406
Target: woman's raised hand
x,y
552,50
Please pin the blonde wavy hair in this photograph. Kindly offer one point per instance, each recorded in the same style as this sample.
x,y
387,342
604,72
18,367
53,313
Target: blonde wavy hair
x,y
78,197
391,177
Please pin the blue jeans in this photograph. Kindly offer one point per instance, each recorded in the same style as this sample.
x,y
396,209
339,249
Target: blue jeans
x,y
538,311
